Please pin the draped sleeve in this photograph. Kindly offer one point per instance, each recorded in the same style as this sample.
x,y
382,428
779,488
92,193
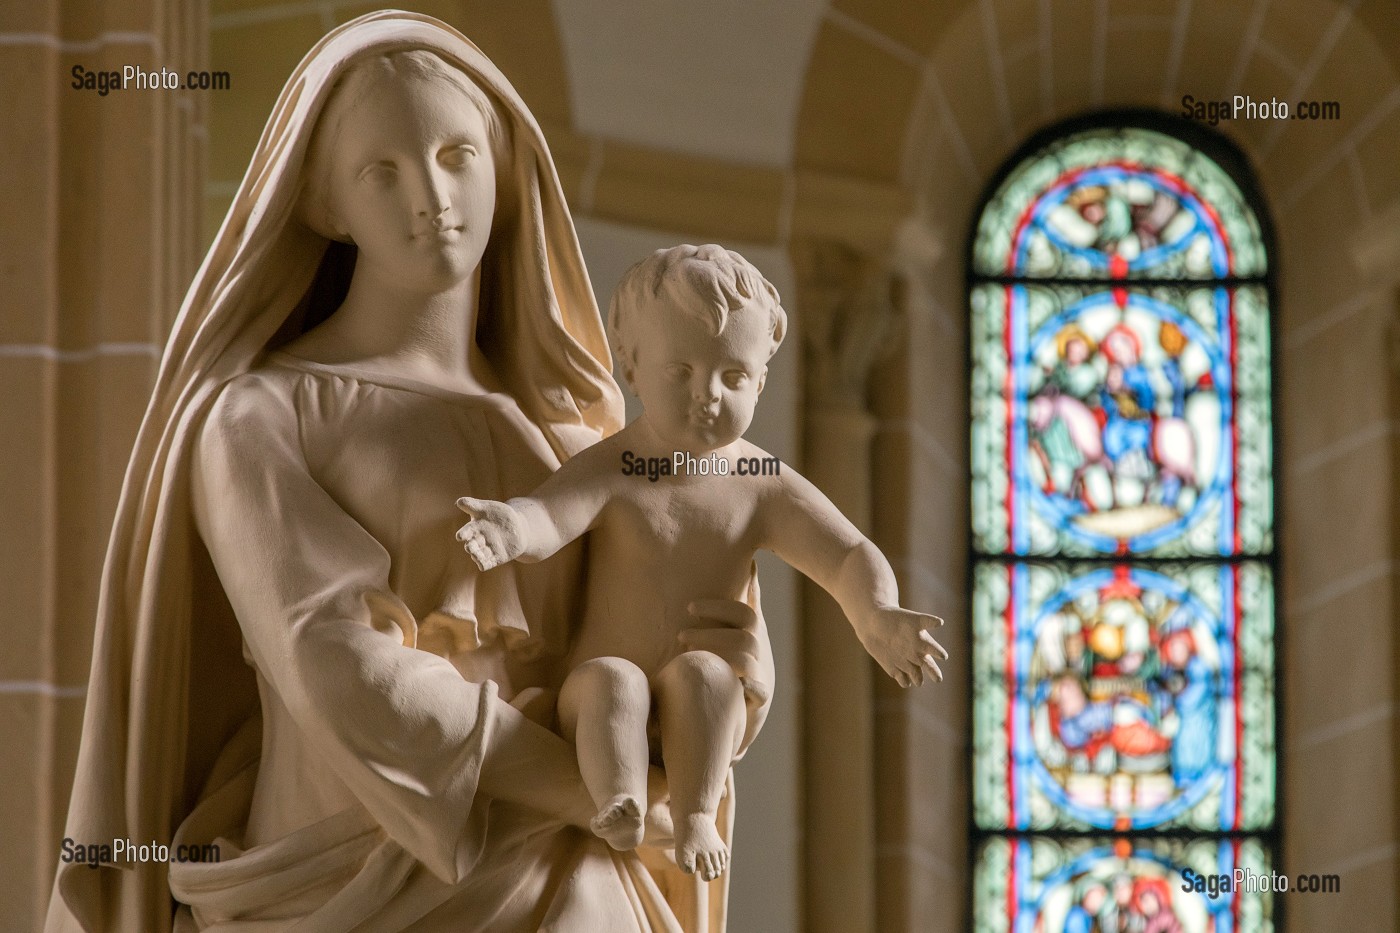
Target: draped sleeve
x,y
310,588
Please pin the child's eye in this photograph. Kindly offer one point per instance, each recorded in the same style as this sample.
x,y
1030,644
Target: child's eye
x,y
678,371
736,379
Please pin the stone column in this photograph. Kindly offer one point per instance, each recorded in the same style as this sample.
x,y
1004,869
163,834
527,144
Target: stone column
x,y
848,322
919,518
98,238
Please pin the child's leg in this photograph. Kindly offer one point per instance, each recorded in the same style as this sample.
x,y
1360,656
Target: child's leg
x,y
603,709
701,708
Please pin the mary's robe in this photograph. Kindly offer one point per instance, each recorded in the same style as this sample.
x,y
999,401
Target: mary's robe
x,y
325,498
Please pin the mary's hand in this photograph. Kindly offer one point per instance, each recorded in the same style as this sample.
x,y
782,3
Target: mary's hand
x,y
736,632
732,633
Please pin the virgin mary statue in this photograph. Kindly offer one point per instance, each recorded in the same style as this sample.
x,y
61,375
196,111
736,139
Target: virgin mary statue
x,y
300,686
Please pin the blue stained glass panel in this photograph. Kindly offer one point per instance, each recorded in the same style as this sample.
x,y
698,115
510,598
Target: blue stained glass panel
x,y
1124,420
1121,697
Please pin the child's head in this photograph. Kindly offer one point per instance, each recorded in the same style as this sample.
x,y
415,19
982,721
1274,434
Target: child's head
x,y
694,328
708,282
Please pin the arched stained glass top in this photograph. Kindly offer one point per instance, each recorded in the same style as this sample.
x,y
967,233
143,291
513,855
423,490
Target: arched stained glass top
x,y
1120,203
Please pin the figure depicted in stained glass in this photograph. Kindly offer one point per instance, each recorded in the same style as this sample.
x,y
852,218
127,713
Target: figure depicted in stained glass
x,y
1064,430
1128,400
1104,215
1115,896
1185,691
1177,452
1123,704
1118,217
1123,421
1087,728
1150,909
1091,897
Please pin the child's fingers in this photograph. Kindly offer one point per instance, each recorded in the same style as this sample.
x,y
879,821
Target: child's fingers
x,y
483,558
469,532
927,639
933,667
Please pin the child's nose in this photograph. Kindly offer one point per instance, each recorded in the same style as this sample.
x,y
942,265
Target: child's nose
x,y
706,388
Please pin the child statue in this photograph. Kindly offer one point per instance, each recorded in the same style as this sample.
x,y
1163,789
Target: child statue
x,y
677,504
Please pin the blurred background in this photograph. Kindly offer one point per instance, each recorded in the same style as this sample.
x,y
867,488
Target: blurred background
x,y
853,150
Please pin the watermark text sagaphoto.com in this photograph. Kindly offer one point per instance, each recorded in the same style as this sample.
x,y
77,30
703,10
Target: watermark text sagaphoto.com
x,y
682,463
136,78
1244,107
126,852
1244,880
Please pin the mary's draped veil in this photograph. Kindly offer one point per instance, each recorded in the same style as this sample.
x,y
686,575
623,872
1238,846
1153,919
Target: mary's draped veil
x,y
168,685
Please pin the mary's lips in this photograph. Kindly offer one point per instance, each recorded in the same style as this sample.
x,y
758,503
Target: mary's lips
x,y
436,231
439,224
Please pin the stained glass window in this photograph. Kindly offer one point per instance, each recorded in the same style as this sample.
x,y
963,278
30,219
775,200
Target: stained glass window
x,y
1122,534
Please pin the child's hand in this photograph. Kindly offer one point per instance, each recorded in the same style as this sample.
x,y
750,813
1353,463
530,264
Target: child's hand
x,y
495,535
901,641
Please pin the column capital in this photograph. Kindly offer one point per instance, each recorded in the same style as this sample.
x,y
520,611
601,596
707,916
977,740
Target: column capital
x,y
851,319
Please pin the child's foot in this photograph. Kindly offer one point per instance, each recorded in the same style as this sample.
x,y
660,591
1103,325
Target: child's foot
x,y
699,847
619,823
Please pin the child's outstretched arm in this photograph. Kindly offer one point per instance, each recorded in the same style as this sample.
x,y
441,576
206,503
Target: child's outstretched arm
x,y
531,528
805,529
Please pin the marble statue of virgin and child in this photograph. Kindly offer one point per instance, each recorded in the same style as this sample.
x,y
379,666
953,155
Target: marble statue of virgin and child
x,y
294,659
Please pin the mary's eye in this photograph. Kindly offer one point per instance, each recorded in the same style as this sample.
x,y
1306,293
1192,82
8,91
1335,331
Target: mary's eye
x,y
379,173
457,156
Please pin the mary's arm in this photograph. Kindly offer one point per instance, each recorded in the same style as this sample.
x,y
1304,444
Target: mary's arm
x,y
410,738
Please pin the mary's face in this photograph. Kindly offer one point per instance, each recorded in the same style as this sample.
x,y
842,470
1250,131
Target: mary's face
x,y
413,183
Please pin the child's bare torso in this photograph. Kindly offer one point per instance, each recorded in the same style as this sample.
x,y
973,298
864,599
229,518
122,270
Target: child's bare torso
x,y
656,547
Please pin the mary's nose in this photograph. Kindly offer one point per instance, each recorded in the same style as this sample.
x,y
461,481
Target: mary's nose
x,y
430,200
432,207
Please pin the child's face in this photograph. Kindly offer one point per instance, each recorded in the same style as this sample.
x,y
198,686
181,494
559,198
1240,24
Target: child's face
x,y
699,389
